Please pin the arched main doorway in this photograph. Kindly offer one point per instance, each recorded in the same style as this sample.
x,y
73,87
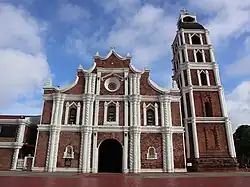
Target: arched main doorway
x,y
110,156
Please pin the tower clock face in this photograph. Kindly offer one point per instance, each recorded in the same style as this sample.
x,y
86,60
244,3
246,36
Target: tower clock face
x,y
188,19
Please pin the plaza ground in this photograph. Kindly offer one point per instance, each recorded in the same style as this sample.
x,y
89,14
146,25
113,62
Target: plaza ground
x,y
210,179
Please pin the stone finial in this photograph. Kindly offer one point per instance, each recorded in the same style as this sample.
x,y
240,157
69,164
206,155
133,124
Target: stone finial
x,y
48,83
97,54
128,55
184,11
80,66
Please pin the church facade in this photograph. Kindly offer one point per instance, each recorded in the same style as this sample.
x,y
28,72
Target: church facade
x,y
114,118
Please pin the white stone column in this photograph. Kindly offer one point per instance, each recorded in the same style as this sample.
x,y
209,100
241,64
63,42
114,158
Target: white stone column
x,y
126,82
164,153
194,129
98,83
230,140
208,38
211,52
156,115
53,111
85,152
217,75
126,113
95,154
125,153
136,155
208,79
66,118
183,37
89,151
15,159
169,152
57,138
144,114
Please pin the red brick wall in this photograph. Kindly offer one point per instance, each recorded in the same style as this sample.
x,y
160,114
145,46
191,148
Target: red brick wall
x,y
73,139
200,99
179,159
212,140
175,112
101,113
194,77
211,77
207,56
112,62
145,88
41,149
120,91
190,55
204,39
5,159
109,135
148,140
47,111
80,85
186,38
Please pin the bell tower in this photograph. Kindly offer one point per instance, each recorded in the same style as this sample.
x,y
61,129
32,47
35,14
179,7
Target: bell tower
x,y
208,132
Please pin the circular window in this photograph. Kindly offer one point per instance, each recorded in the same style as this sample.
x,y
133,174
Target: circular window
x,y
112,84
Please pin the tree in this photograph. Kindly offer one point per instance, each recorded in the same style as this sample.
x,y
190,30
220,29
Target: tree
x,y
242,144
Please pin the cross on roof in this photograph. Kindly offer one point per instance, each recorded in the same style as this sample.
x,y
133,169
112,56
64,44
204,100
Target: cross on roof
x,y
113,48
184,11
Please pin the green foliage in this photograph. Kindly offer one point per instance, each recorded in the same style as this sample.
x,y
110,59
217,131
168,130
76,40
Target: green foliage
x,y
242,144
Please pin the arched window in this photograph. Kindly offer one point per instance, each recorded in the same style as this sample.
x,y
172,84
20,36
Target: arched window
x,y
72,116
111,114
150,117
199,56
151,154
68,152
196,40
208,109
203,76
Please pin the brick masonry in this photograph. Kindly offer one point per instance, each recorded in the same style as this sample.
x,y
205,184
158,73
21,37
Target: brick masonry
x,y
179,158
109,135
201,97
175,112
47,111
5,158
154,140
73,139
212,140
41,149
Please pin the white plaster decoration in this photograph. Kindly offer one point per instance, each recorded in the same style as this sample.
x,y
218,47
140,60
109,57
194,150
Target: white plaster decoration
x,y
189,79
152,170
151,153
86,83
208,37
162,113
189,38
217,74
126,113
106,105
95,153
81,159
222,102
125,153
53,111
68,152
78,113
186,54
85,153
169,153
66,114
96,113
89,151
126,82
131,150
195,57
130,85
164,145
89,84
112,84
57,138
200,35
230,139
98,83
179,39
187,140
203,56
15,159
208,79
183,37
156,115
211,51
144,114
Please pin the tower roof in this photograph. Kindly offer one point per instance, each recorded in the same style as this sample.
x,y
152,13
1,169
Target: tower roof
x,y
188,21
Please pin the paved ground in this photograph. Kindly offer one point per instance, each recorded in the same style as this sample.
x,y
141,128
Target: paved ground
x,y
36,179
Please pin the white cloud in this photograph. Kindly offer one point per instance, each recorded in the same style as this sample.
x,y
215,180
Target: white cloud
x,y
71,12
238,103
23,64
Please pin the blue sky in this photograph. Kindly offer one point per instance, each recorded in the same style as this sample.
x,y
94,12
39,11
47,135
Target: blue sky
x,y
41,38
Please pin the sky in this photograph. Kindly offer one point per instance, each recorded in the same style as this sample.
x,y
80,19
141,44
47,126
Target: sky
x,y
43,38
